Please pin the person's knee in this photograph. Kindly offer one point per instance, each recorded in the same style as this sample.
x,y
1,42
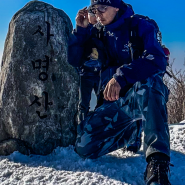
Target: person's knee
x,y
83,152
79,152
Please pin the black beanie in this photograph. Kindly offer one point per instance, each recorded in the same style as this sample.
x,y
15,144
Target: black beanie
x,y
113,3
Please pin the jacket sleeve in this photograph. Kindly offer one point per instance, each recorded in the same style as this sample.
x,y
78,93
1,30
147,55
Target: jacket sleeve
x,y
152,62
76,45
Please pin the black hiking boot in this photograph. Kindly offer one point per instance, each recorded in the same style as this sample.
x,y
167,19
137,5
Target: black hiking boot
x,y
157,170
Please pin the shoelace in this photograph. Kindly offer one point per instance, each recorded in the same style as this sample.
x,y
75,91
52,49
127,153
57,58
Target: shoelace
x,y
157,170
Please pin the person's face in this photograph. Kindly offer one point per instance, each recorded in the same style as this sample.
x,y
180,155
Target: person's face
x,y
106,16
92,18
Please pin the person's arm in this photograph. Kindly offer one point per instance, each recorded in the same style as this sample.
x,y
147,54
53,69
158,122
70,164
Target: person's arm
x,y
78,37
76,48
152,62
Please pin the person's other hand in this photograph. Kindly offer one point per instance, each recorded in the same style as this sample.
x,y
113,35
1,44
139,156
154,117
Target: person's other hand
x,y
82,18
112,90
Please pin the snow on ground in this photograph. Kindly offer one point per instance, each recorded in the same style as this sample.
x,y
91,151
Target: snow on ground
x,y
65,167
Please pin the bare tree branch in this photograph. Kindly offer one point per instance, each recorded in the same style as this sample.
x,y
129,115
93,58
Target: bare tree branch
x,y
176,85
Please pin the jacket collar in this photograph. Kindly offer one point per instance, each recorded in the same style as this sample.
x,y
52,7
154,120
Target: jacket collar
x,y
120,19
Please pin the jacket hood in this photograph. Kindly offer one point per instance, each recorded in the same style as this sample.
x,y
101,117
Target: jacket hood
x,y
120,19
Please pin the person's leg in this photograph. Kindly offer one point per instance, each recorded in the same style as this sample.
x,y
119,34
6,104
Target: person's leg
x,y
85,89
156,138
109,127
135,145
98,92
113,124
156,131
100,99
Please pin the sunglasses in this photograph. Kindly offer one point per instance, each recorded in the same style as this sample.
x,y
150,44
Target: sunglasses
x,y
100,9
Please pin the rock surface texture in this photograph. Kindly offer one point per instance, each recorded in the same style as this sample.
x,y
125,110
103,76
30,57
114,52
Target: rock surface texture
x,y
38,88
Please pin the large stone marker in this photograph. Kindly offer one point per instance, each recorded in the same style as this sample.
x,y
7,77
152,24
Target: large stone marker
x,y
38,88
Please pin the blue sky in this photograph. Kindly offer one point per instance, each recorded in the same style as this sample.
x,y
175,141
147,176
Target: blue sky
x,y
170,16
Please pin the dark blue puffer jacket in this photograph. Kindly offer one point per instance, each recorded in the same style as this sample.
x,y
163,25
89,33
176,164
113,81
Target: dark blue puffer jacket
x,y
116,39
76,43
80,48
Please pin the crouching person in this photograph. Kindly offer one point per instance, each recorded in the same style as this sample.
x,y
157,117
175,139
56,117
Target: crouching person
x,y
113,124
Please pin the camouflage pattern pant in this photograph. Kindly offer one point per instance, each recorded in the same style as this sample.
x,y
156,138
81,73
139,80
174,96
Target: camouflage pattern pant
x,y
113,125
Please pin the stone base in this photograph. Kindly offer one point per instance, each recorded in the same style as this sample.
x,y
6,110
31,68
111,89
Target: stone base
x,y
9,146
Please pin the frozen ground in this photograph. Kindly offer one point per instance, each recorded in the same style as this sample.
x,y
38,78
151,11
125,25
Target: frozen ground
x,y
65,167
